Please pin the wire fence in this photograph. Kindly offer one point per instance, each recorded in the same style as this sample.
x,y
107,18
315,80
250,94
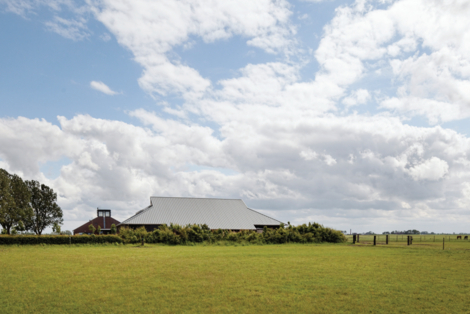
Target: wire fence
x,y
417,238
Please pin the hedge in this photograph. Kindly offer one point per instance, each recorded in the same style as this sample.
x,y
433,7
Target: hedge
x,y
59,239
175,234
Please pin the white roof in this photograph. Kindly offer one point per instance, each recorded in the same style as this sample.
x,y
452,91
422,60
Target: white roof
x,y
216,213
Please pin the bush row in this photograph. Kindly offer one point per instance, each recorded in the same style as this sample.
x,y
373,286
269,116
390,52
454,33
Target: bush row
x,y
175,234
59,239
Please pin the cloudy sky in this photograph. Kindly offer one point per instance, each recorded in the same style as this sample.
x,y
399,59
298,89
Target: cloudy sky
x,y
354,114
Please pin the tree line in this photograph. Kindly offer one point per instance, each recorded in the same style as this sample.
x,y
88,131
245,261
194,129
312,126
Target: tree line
x,y
27,205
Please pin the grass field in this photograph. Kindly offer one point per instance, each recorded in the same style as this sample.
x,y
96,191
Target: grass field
x,y
289,278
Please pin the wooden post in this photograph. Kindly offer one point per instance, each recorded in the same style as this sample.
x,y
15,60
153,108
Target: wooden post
x,y
407,240
375,240
357,239
443,239
386,239
354,239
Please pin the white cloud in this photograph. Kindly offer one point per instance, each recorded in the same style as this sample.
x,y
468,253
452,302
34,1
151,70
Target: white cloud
x,y
151,29
102,87
24,7
121,165
431,169
427,54
71,29
357,97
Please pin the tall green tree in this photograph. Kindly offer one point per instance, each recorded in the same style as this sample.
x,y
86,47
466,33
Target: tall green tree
x,y
46,212
14,201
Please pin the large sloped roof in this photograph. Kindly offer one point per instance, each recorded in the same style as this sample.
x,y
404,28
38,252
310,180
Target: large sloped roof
x,y
216,213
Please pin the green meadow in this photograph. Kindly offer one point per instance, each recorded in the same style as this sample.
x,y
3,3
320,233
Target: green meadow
x,y
286,278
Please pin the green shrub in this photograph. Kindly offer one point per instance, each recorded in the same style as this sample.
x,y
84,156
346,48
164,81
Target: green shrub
x,y
190,234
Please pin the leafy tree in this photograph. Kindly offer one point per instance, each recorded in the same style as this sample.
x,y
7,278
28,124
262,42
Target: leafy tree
x,y
92,229
46,212
113,229
56,228
14,201
98,230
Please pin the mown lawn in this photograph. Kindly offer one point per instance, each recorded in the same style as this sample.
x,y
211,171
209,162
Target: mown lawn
x,y
235,279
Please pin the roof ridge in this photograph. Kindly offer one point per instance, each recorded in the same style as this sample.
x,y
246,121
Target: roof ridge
x,y
202,198
137,214
264,215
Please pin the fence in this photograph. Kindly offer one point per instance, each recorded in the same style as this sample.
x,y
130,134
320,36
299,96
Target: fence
x,y
417,238
405,239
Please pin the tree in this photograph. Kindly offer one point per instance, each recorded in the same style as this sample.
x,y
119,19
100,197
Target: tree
x,y
92,229
98,229
14,201
113,229
46,212
56,228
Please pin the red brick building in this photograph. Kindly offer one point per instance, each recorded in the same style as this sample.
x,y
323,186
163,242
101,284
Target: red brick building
x,y
104,220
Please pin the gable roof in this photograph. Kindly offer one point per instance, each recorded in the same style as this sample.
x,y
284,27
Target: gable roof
x,y
97,221
216,213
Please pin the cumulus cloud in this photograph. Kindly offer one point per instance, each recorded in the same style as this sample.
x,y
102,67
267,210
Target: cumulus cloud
x,y
121,164
431,169
357,97
426,53
151,29
102,87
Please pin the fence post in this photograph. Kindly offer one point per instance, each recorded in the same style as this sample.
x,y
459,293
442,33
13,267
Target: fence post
x,y
443,239
386,239
354,239
357,239
375,240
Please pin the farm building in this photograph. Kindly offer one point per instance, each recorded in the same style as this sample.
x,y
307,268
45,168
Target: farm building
x,y
215,213
104,220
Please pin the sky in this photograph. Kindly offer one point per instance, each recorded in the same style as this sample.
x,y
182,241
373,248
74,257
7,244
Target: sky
x,y
353,114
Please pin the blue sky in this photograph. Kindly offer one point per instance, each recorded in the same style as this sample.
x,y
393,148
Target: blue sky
x,y
351,113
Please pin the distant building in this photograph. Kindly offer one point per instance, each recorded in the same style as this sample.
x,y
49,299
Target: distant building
x,y
104,220
230,214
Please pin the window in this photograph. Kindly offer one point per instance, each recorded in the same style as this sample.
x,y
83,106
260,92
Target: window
x,y
100,214
107,214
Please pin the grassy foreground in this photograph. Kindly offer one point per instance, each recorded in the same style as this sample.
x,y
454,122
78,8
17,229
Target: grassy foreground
x,y
289,278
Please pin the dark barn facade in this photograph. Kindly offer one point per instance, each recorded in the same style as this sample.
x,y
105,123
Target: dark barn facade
x,y
104,220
